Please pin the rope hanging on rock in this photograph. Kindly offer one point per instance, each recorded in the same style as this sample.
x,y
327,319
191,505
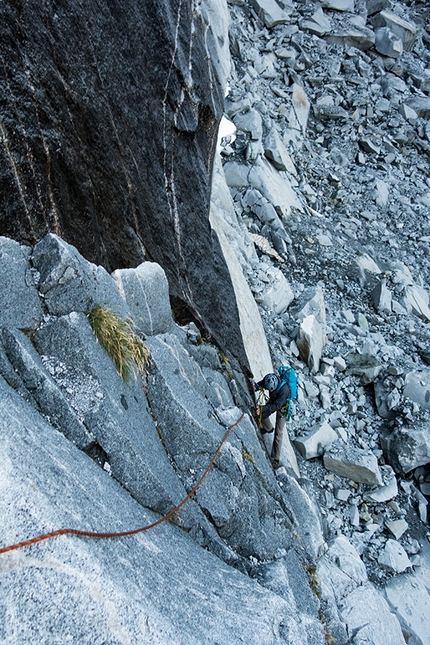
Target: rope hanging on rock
x,y
93,534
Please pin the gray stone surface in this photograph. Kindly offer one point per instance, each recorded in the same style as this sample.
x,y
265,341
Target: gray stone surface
x,y
20,305
313,444
310,341
146,293
42,389
69,283
117,415
114,590
358,465
251,517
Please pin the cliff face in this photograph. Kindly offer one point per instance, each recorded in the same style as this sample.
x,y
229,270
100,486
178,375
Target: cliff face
x,y
109,122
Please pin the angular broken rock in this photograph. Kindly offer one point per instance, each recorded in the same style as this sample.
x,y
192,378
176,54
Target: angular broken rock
x,y
318,438
407,448
416,300
388,490
397,527
404,29
365,366
382,297
310,342
355,464
277,153
339,5
417,388
387,43
394,557
270,12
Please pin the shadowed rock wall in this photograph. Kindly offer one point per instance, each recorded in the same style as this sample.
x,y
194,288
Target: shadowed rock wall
x,y
109,116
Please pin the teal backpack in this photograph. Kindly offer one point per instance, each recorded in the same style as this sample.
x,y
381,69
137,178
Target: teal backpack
x,y
288,375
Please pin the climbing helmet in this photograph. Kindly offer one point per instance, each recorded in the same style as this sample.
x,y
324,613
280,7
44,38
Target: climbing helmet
x,y
271,382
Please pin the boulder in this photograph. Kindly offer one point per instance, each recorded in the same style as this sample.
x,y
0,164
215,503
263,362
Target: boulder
x,y
20,304
277,153
407,447
404,29
270,12
394,557
382,297
69,283
354,463
338,5
417,388
146,294
313,444
387,43
279,295
366,366
310,342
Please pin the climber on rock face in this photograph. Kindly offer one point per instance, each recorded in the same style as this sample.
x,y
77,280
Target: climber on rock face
x,y
282,389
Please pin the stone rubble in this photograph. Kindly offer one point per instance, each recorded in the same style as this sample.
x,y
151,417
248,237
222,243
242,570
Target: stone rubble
x,y
345,109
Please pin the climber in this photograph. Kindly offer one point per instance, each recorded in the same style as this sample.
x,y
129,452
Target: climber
x,y
282,389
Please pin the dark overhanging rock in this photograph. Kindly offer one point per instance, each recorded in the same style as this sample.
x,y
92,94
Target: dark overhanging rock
x,y
109,124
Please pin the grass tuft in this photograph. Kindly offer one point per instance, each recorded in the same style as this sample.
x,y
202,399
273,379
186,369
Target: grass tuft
x,y
123,345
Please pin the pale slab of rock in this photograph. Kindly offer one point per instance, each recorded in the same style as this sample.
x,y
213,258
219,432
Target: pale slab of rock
x,y
410,599
382,297
397,528
145,290
394,557
417,388
386,492
251,326
277,153
404,29
358,465
387,43
319,24
339,5
310,342
20,305
270,12
416,300
279,295
276,186
316,440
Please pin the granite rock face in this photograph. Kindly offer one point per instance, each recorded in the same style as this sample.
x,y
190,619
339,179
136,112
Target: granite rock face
x,y
109,124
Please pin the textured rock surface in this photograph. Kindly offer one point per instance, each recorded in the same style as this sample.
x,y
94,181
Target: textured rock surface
x,y
108,133
159,586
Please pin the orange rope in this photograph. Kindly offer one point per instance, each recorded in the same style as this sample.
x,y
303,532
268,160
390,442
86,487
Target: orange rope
x,y
93,534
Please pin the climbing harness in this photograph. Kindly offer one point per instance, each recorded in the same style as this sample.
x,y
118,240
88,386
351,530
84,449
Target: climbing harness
x,y
93,534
